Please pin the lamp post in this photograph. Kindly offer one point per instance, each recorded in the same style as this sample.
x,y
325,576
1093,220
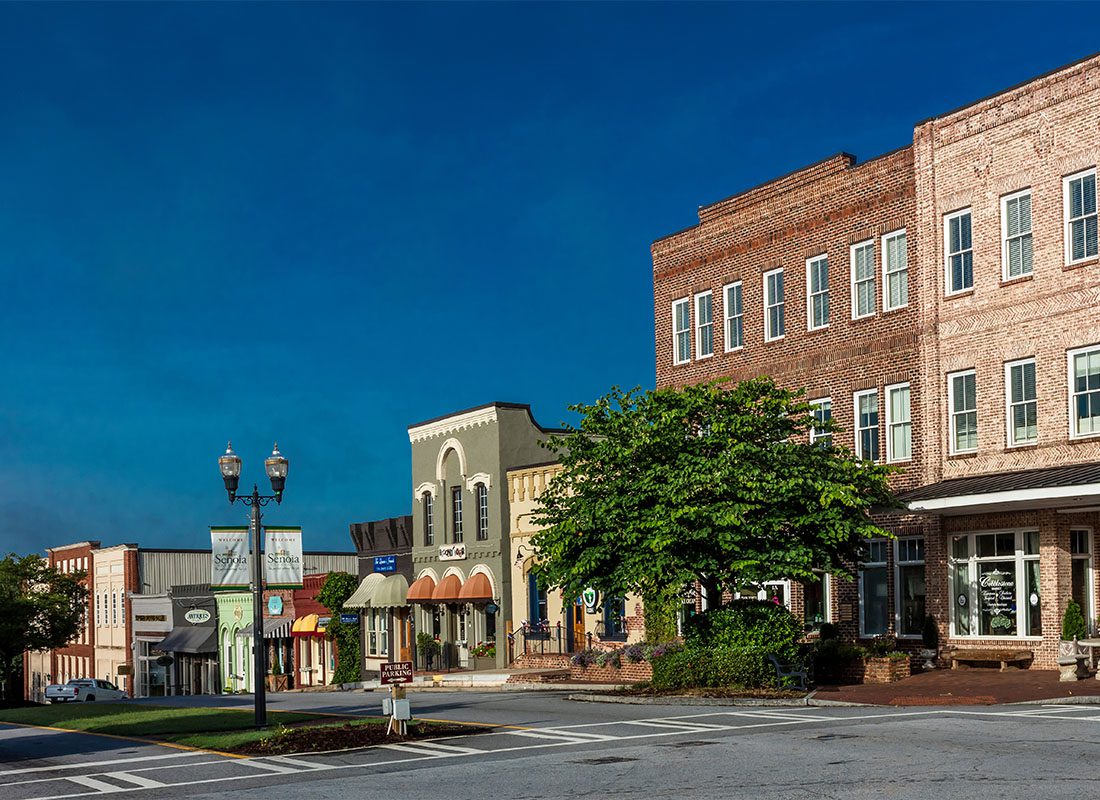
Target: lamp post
x,y
276,467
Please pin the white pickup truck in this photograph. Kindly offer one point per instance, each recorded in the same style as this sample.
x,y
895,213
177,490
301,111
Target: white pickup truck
x,y
83,689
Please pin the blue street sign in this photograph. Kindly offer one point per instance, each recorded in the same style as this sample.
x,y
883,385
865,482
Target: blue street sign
x,y
349,619
385,563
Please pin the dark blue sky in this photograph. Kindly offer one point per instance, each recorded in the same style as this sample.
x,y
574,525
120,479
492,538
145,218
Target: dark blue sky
x,y
322,223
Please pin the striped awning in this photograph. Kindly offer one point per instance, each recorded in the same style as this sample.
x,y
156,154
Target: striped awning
x,y
360,598
274,628
393,592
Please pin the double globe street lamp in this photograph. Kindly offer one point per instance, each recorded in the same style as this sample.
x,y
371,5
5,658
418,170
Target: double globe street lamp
x,y
276,466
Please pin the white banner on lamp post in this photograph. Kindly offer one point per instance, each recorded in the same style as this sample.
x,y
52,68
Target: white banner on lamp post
x,y
229,559
283,558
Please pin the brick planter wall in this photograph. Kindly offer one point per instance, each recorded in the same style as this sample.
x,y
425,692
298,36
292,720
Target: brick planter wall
x,y
875,670
641,672
542,661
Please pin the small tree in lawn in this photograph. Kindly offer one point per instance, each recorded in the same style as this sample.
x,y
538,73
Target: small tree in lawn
x,y
40,608
335,591
716,483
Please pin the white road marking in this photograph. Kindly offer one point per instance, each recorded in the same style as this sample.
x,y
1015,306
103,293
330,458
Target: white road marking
x,y
281,769
97,764
421,751
448,748
137,780
567,737
296,762
101,787
684,727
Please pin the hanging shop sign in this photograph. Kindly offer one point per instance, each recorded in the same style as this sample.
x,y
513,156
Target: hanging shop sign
x,y
275,605
385,563
452,552
591,600
229,559
283,558
197,616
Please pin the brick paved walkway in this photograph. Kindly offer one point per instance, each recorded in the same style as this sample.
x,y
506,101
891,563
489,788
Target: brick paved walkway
x,y
965,687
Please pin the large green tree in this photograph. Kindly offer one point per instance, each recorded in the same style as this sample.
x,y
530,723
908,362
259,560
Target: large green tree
x,y
40,608
716,482
337,588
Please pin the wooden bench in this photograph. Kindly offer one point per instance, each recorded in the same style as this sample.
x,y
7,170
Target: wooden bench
x,y
1002,657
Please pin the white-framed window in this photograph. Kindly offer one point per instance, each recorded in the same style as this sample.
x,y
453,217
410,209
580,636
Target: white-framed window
x,y
114,608
681,331
735,328
823,413
704,325
97,612
456,514
816,597
378,635
1081,579
863,279
874,600
909,589
1084,392
993,578
817,292
1079,202
895,271
899,424
1021,404
962,402
958,248
777,592
481,491
429,518
865,404
773,305
1016,234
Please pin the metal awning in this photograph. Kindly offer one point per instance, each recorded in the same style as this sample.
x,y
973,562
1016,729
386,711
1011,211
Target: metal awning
x,y
189,640
274,628
361,596
393,592
1072,488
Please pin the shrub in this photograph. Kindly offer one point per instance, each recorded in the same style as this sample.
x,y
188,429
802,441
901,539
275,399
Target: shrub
x,y
695,666
831,657
930,635
1073,622
584,659
427,645
882,646
748,626
633,653
829,631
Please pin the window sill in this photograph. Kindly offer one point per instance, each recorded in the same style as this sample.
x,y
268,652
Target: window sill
x,y
1087,262
960,294
1018,279
676,364
735,349
864,317
961,456
886,311
1092,437
704,358
776,339
1016,448
819,329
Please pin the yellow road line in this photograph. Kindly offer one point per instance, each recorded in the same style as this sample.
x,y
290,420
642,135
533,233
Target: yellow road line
x,y
137,739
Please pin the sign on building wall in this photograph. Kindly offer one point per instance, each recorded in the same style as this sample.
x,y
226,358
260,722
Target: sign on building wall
x,y
197,616
229,559
283,558
452,552
385,563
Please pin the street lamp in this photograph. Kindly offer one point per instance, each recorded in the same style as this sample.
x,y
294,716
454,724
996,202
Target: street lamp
x,y
276,466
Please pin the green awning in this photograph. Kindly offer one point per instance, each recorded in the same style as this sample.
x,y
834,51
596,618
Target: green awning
x,y
361,596
393,592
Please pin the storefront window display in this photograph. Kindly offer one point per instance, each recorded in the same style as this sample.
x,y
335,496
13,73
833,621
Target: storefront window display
x,y
909,583
994,581
1080,548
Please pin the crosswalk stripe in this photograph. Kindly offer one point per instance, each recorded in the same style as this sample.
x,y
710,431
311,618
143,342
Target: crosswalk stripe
x,y
92,783
297,762
686,727
571,733
420,751
137,780
448,748
95,764
266,765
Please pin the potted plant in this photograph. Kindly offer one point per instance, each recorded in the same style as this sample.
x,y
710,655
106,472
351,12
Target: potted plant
x,y
930,637
484,655
428,646
1071,659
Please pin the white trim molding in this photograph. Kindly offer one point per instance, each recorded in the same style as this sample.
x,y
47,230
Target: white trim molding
x,y
426,486
481,569
480,477
454,424
448,446
1045,497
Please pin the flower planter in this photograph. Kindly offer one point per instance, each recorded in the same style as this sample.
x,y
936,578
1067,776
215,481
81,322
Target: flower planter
x,y
885,670
629,672
482,663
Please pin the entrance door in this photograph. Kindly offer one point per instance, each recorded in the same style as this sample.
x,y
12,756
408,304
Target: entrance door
x,y
404,636
580,642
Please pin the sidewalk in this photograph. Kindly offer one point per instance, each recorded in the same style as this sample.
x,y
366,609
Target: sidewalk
x,y
486,680
966,687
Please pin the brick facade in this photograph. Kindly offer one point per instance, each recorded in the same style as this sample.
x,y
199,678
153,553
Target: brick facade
x,y
1027,138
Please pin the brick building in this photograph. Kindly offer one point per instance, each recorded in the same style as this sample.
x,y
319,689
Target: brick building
x,y
938,302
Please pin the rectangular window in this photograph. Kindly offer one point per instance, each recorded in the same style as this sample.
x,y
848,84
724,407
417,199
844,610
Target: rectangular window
x,y
735,331
114,608
815,601
899,426
817,292
1016,234
681,331
482,511
863,279
895,271
866,410
1080,211
959,249
537,603
1023,424
1084,390
773,305
429,521
962,400
823,414
909,587
456,514
614,619
378,633
704,325
874,602
1081,580
994,581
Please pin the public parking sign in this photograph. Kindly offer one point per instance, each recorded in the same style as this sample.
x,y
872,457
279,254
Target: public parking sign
x,y
397,672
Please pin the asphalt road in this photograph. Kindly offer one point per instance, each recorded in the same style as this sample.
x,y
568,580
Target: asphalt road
x,y
566,749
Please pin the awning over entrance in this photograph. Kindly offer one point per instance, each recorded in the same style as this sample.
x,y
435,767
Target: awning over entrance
x,y
361,596
1073,488
274,628
305,626
476,590
422,590
393,592
448,590
189,640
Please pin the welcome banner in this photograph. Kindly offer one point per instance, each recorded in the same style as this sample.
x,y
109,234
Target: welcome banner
x,y
283,558
229,559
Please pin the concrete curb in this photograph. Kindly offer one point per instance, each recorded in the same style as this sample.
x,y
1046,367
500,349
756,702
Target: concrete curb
x,y
1077,700
759,702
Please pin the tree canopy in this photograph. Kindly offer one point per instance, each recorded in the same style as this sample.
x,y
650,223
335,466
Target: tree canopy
x,y
716,482
40,608
335,591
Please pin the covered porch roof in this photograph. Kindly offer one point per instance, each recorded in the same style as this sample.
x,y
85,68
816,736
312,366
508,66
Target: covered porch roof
x,y
1075,487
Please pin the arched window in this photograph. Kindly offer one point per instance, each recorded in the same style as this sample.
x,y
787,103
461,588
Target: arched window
x,y
429,525
456,514
482,495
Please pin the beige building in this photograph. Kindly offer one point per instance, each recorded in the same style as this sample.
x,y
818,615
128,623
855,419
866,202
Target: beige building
x,y
546,623
111,612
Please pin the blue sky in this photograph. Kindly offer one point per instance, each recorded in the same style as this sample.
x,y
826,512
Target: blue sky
x,y
322,223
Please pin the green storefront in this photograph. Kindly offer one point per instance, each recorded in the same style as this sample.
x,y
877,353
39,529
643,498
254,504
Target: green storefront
x,y
234,653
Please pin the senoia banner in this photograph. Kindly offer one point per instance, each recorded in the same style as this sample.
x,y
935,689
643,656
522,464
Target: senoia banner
x,y
283,558
229,559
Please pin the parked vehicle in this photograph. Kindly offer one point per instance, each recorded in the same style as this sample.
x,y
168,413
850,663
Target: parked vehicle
x,y
83,689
